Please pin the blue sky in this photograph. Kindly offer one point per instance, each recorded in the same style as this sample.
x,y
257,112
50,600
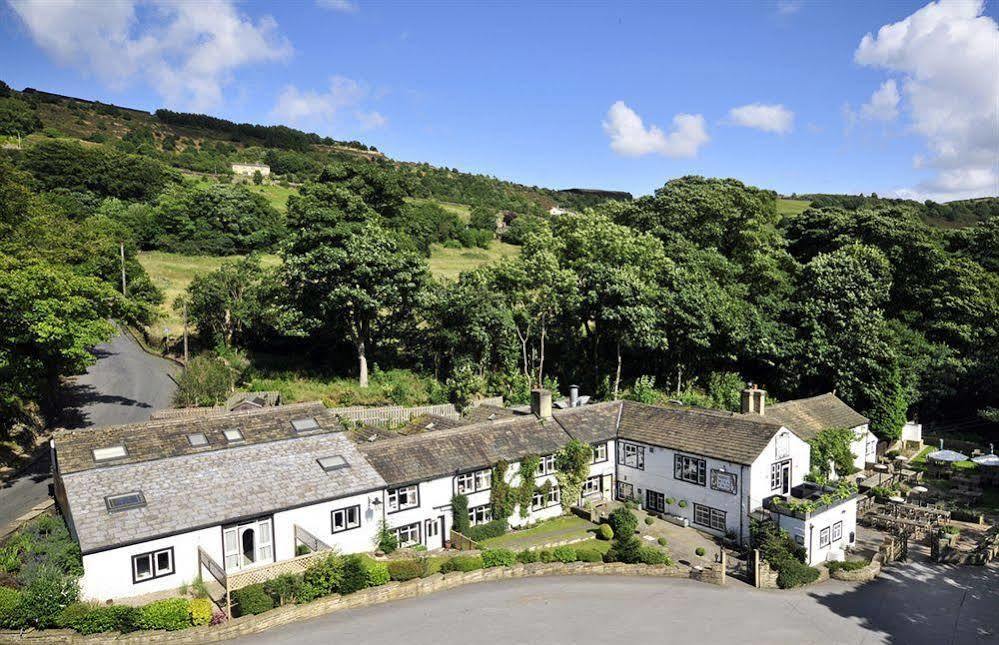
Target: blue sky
x,y
620,96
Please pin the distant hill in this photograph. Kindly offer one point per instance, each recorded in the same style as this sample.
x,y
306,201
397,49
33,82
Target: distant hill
x,y
967,212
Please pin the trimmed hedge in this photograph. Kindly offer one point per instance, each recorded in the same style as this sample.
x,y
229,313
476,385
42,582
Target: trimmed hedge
x,y
403,570
251,600
462,563
652,555
589,555
564,554
492,529
846,565
97,619
170,614
498,558
623,521
605,532
792,573
527,557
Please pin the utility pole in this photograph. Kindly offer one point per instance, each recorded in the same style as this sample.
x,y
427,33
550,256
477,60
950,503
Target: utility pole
x,y
185,332
124,285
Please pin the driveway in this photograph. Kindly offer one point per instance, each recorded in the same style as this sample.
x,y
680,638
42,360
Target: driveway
x,y
125,385
914,604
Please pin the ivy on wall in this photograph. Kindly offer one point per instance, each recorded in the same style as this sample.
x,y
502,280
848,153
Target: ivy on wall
x,y
501,495
572,467
525,492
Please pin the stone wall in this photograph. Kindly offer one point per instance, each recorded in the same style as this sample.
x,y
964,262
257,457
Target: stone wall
x,y
865,574
376,595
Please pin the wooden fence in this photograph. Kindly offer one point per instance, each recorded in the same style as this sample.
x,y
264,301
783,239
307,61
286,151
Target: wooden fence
x,y
463,543
393,415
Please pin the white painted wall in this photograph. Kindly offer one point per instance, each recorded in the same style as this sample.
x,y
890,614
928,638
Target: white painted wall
x,y
317,520
797,450
807,532
864,447
912,431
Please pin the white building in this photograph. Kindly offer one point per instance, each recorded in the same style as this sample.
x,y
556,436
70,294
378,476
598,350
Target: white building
x,y
249,169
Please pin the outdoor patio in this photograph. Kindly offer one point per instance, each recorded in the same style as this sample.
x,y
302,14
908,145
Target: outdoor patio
x,y
681,543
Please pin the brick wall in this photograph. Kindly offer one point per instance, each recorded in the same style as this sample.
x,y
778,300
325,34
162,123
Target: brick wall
x,y
376,595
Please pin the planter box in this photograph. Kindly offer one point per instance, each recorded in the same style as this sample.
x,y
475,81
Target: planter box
x,y
679,521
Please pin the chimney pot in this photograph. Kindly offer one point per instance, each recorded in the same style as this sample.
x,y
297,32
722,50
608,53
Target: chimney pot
x,y
754,400
541,403
573,396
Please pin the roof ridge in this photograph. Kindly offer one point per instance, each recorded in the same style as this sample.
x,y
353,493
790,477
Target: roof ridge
x,y
711,413
447,432
803,399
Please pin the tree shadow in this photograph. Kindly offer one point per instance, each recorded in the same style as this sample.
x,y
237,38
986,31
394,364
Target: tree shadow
x,y
77,396
919,602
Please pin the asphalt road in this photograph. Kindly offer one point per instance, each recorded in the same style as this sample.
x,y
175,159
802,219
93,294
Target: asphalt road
x,y
125,385
910,605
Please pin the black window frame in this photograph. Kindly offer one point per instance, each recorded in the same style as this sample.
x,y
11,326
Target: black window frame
x,y
712,511
120,509
828,531
679,470
606,452
655,501
639,455
152,564
837,526
347,527
419,531
481,507
388,494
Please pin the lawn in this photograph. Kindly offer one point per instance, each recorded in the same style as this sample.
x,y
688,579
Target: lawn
x,y
276,195
564,527
172,272
791,206
448,263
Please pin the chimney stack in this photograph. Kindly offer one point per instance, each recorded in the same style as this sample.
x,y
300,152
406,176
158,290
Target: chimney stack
x,y
541,403
754,400
573,396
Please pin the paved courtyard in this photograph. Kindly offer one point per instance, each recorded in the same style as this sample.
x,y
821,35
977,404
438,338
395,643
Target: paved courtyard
x,y
911,605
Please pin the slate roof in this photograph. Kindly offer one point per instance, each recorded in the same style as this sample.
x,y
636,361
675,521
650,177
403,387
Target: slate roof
x,y
168,437
590,423
486,412
808,417
735,438
404,460
200,490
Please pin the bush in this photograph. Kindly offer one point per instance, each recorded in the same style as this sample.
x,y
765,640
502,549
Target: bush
x,y
488,530
652,555
462,563
605,532
459,510
252,600
355,575
200,611
623,522
670,501
171,614
588,555
284,589
847,565
682,503
649,520
662,541
377,572
628,549
792,573
98,619
402,570
564,554
11,615
46,592
527,556
387,541
546,555
498,558
700,551
322,578
205,381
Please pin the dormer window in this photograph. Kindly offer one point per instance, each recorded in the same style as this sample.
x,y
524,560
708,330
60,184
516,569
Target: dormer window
x,y
304,425
125,501
233,436
109,453
333,462
197,439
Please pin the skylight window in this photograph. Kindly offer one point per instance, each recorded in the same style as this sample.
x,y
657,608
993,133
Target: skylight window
x,y
233,436
197,439
333,462
111,452
125,501
303,425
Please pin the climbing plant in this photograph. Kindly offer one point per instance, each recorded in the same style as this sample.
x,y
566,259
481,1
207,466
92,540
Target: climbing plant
x,y
459,511
501,495
832,445
525,492
572,466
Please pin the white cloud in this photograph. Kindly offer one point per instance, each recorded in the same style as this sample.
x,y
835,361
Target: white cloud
x,y
343,6
325,108
788,7
186,51
883,105
946,57
631,138
768,118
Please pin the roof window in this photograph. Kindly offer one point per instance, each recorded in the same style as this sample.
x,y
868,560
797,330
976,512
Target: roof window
x,y
197,439
125,501
333,462
111,452
304,425
233,436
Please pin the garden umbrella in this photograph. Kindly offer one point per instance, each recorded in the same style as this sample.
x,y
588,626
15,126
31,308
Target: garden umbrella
x,y
947,456
987,460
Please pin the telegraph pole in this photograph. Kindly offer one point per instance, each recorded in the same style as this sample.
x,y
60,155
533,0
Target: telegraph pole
x,y
124,285
185,332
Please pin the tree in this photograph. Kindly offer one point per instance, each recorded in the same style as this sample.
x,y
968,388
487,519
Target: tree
x,y
17,117
832,445
344,274
228,304
379,188
258,177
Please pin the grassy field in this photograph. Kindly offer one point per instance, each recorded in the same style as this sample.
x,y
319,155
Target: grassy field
x,y
461,210
448,263
791,206
277,196
172,272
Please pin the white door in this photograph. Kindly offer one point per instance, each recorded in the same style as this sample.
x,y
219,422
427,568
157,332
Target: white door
x,y
247,545
432,533
230,545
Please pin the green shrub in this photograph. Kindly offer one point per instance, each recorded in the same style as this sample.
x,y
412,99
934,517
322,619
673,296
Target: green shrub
x,y
792,573
361,572
10,559
527,556
171,614
605,532
662,541
284,589
459,510
488,530
950,529
700,551
847,565
322,578
649,520
564,554
251,600
11,615
498,558
628,549
462,563
98,619
200,611
589,555
546,555
377,571
46,592
670,501
652,555
623,522
402,570
682,503
387,541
